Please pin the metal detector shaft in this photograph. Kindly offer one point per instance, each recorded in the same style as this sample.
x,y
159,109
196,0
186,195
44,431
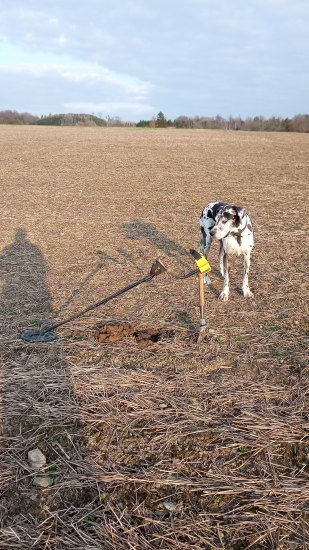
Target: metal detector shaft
x,y
38,335
97,304
187,275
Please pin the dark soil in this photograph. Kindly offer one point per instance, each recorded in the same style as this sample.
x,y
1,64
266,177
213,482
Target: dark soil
x,y
144,336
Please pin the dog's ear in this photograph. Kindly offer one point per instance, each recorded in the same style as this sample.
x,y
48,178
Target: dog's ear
x,y
240,213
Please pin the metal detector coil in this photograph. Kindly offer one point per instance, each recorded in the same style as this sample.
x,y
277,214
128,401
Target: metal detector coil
x,y
38,336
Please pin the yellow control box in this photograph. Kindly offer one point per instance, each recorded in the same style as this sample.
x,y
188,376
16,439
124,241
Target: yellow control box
x,y
203,265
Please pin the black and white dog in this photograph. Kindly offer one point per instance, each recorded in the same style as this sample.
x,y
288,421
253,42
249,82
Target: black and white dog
x,y
232,226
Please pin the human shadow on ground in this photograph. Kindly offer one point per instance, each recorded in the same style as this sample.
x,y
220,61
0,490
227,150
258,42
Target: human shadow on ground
x,y
38,406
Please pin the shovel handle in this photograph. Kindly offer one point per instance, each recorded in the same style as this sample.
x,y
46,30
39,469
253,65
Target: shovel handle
x,y
201,299
201,289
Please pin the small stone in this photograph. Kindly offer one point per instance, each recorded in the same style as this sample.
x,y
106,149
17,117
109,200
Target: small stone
x,y
34,360
143,344
36,459
163,406
43,481
170,506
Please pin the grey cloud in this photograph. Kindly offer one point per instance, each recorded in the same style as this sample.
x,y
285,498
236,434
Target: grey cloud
x,y
200,55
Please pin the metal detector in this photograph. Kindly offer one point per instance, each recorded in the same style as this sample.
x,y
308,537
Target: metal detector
x,y
48,334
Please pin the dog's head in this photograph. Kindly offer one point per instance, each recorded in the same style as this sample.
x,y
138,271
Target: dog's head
x,y
228,219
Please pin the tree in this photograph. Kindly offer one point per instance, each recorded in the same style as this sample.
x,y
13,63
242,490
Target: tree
x,y
13,117
183,122
143,124
161,121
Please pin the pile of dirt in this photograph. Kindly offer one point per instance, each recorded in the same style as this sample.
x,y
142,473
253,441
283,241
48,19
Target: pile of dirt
x,y
110,333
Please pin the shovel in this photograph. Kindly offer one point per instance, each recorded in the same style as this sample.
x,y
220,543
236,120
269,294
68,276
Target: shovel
x,y
204,268
203,324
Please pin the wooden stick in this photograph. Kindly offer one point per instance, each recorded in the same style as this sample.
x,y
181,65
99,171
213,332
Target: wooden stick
x,y
203,325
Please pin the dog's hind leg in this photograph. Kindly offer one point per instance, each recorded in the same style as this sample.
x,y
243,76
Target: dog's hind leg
x,y
245,284
224,296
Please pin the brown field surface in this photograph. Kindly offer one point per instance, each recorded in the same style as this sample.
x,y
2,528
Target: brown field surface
x,y
168,444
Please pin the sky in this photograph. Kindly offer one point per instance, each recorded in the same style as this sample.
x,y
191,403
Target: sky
x,y
134,58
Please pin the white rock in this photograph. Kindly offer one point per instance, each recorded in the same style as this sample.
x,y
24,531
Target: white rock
x,y
170,506
36,459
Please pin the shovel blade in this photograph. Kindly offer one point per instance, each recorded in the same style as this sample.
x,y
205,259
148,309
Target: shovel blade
x,y
203,331
202,335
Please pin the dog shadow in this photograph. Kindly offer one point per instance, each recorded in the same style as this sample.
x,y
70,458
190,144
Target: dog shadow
x,y
185,320
139,229
213,289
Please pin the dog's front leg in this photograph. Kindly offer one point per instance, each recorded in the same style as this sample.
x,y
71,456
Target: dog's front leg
x,y
245,284
206,240
205,243
221,255
224,296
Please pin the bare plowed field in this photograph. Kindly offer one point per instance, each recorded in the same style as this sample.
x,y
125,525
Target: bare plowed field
x,y
151,440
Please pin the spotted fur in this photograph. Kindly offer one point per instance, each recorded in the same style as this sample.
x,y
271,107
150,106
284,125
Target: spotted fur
x,y
232,226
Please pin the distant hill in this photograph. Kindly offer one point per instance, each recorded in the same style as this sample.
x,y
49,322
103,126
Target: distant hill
x,y
71,120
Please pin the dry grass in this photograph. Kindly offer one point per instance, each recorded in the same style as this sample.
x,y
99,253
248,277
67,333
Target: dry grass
x,y
176,445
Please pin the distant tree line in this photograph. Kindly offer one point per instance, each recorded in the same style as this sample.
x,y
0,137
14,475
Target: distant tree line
x,y
299,123
71,120
13,117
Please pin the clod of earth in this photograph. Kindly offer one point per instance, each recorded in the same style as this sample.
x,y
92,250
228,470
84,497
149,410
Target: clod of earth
x,y
43,481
